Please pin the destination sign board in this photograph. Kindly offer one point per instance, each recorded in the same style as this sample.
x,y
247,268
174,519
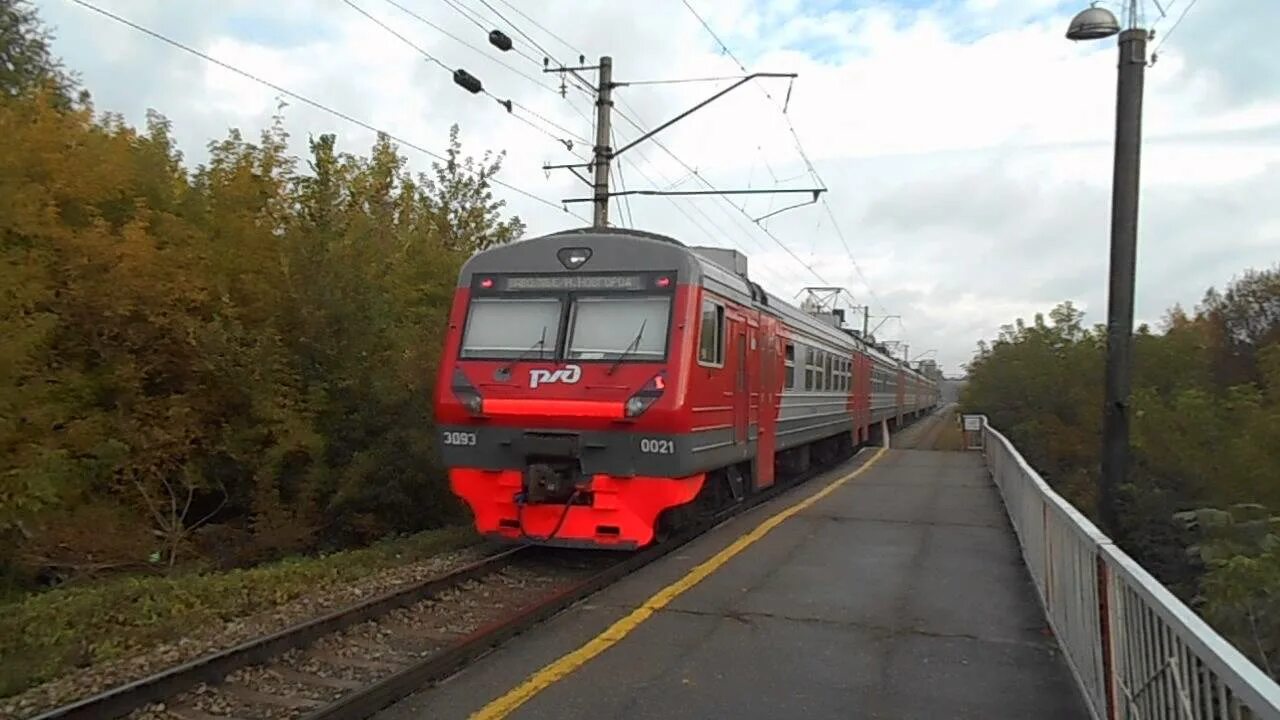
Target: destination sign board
x,y
573,282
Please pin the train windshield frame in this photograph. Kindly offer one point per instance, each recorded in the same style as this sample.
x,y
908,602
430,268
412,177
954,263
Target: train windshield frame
x,y
612,327
602,317
501,328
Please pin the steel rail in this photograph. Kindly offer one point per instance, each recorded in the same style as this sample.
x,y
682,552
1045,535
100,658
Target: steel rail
x,y
365,701
123,699
368,701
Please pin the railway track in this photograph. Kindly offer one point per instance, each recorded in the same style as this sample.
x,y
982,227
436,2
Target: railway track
x,y
352,662
926,432
307,666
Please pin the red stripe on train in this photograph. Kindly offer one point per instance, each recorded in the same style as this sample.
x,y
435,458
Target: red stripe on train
x,y
559,408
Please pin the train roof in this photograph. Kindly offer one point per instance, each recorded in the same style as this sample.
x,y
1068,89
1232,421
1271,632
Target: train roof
x,y
721,269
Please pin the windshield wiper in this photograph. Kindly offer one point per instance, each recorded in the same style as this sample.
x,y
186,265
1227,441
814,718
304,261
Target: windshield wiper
x,y
539,346
635,343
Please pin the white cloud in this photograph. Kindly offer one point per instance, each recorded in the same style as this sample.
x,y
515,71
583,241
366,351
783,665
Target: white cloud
x,y
966,145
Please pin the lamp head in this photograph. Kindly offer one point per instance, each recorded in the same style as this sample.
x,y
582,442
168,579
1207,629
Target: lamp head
x,y
1093,23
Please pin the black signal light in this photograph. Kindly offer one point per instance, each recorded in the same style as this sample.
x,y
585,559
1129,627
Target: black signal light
x,y
468,81
499,39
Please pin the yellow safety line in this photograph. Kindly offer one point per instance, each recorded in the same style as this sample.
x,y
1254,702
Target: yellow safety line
x,y
539,681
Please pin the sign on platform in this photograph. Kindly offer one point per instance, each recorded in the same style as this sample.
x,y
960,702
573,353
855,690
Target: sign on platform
x,y
973,439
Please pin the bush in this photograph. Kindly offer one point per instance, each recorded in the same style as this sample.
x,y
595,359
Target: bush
x,y
1205,434
245,347
50,633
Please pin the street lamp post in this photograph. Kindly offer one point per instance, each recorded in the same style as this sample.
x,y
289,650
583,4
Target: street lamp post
x,y
1092,24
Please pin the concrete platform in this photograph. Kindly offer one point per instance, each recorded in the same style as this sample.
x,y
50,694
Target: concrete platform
x,y
899,595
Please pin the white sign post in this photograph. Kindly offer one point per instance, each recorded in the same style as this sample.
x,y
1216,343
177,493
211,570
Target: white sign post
x,y
973,432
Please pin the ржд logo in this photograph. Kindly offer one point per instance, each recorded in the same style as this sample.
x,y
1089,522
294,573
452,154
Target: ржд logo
x,y
569,374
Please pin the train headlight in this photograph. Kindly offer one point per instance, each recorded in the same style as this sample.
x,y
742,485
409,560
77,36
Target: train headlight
x,y
637,405
466,393
646,395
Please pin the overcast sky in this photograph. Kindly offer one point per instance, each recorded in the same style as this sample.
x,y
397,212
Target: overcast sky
x,y
965,144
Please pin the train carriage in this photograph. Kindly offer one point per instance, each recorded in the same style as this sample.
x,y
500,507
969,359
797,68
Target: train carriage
x,y
599,383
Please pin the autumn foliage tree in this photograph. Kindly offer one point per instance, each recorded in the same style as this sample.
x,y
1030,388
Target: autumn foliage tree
x,y
219,363
1201,506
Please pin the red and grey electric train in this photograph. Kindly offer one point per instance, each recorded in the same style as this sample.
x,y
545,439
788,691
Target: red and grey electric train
x,y
598,383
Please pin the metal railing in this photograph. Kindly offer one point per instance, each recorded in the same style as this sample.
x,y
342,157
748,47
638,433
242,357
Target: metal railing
x,y
1137,652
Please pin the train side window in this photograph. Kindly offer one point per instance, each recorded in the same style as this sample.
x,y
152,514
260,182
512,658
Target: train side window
x,y
711,337
789,359
808,368
826,365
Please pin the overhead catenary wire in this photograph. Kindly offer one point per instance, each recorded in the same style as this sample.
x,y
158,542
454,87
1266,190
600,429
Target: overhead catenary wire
x,y
308,101
622,111
622,183
804,156
411,13
517,28
693,172
676,203
571,133
735,206
488,56
720,235
733,220
591,91
568,144
579,84
538,25
1176,23
613,178
680,81
467,13
402,38
507,104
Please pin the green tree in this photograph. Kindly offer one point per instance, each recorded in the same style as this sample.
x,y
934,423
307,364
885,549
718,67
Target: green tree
x,y
1205,435
219,364
26,63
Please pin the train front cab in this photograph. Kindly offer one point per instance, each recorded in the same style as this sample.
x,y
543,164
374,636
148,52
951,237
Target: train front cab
x,y
559,401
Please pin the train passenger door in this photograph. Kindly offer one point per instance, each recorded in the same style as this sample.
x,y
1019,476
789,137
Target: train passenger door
x,y
741,386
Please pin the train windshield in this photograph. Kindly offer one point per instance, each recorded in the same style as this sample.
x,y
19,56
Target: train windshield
x,y
526,328
608,328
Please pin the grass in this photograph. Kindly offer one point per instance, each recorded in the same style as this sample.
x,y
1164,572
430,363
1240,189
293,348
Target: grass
x,y
47,635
